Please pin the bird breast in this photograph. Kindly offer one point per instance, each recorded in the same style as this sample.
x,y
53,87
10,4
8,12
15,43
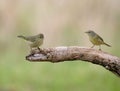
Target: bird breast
x,y
36,43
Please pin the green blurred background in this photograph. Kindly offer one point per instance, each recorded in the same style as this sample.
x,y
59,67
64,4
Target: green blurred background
x,y
63,22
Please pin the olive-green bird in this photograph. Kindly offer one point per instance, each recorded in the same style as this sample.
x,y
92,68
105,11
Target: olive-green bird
x,y
36,40
96,39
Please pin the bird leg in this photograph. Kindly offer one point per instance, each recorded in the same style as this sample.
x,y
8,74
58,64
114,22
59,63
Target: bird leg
x,y
41,51
92,46
38,48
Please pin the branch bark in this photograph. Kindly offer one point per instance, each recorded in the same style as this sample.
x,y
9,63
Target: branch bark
x,y
60,54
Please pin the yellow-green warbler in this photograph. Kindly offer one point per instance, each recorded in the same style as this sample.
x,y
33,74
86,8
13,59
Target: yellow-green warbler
x,y
36,40
96,39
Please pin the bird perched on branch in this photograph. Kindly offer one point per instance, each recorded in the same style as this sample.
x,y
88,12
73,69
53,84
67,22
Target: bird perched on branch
x,y
36,40
96,39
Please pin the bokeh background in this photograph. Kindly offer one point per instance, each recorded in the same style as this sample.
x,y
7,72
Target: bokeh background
x,y
63,22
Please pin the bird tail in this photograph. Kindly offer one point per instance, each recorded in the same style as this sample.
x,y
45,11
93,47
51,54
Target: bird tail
x,y
23,37
107,45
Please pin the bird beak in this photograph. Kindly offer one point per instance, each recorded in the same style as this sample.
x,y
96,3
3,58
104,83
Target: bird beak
x,y
86,32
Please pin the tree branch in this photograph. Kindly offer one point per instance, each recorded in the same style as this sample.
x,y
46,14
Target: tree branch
x,y
60,54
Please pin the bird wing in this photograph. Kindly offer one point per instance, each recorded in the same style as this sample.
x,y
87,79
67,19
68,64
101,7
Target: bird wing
x,y
100,39
31,38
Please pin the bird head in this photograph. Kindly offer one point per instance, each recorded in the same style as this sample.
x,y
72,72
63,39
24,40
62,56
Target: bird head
x,y
90,32
40,36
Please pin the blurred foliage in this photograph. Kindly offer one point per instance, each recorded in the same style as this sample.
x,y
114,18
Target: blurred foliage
x,y
63,23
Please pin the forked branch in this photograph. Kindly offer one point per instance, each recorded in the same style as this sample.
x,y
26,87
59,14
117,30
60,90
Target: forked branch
x,y
60,54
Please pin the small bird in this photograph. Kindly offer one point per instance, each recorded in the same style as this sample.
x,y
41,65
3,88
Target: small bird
x,y
36,40
96,39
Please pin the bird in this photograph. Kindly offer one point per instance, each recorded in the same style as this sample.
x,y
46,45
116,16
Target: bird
x,y
96,39
35,41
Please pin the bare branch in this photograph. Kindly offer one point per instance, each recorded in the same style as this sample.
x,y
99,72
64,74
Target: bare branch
x,y
60,54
